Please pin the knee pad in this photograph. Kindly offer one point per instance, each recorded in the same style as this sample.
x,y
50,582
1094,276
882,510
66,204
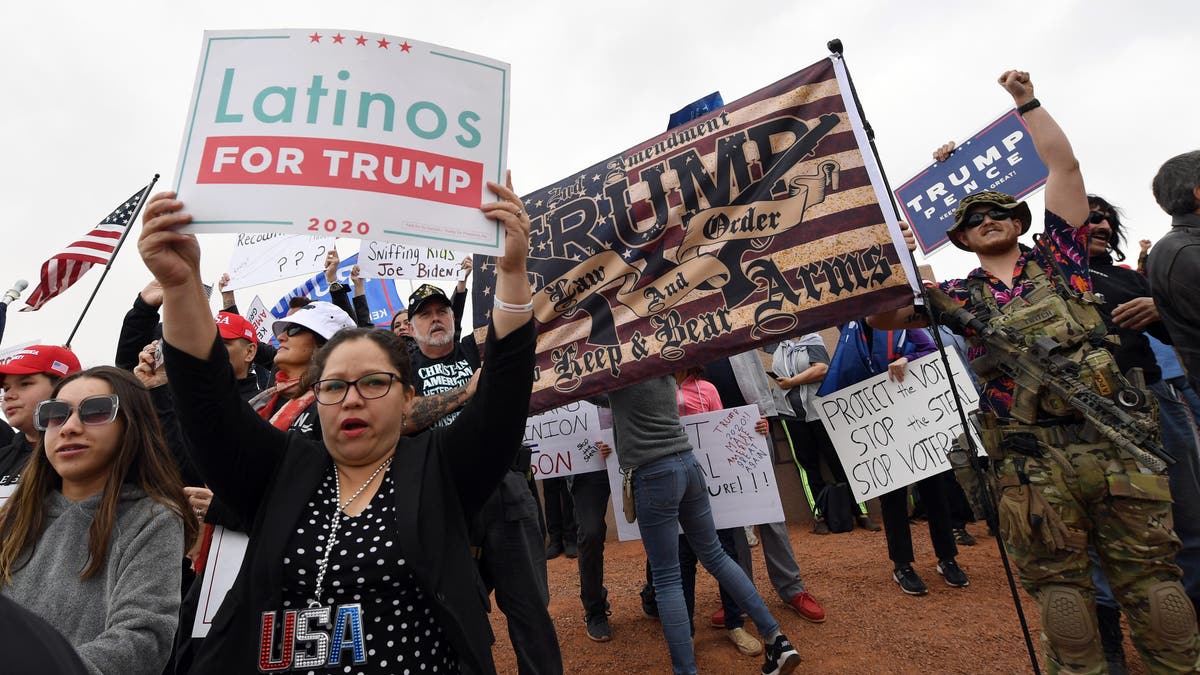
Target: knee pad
x,y
1172,616
1070,625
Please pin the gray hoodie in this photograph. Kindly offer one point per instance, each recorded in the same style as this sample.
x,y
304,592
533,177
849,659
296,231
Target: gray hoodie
x,y
123,619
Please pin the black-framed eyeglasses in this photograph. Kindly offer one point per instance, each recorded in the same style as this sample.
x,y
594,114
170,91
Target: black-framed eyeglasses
x,y
1095,217
372,385
293,329
976,219
93,410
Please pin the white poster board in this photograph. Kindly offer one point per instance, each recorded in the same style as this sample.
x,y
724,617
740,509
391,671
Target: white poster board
x,y
564,440
224,560
737,466
889,435
263,258
261,319
344,133
390,260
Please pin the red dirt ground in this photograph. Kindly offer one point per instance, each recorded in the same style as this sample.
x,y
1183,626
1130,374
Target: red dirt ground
x,y
872,626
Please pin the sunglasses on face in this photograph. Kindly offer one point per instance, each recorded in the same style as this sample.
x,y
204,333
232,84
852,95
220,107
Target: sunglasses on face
x,y
372,385
293,330
976,219
1095,217
93,410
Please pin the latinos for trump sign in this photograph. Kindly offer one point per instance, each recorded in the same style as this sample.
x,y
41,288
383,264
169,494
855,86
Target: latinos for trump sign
x,y
1000,157
757,221
344,133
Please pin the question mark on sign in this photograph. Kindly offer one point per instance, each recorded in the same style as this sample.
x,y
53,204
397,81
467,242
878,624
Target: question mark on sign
x,y
319,255
282,262
299,257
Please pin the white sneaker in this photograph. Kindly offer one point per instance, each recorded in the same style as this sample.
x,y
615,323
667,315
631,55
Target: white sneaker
x,y
750,537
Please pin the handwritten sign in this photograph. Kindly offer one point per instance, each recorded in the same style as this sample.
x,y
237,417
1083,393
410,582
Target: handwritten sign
x,y
564,440
1000,157
737,469
263,258
261,319
344,133
890,434
390,260
224,560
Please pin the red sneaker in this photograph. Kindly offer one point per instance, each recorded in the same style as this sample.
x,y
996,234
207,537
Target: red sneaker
x,y
717,620
807,607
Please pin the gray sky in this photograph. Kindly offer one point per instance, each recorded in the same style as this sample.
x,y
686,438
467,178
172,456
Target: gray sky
x,y
96,95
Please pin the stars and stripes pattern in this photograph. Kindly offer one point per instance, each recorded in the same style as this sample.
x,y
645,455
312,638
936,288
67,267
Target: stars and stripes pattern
x,y
95,248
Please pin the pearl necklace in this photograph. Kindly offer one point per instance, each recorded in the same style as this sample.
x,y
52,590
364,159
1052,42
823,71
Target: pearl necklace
x,y
323,563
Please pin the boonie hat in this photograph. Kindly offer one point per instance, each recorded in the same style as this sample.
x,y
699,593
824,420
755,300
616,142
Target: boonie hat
x,y
322,318
1017,209
233,326
48,359
423,294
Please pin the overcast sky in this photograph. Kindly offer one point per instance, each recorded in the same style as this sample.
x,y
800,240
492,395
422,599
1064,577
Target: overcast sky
x,y
96,95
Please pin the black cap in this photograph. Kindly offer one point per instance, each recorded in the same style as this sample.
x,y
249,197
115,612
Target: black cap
x,y
423,294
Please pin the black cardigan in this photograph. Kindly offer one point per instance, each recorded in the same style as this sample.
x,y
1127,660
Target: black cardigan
x,y
442,477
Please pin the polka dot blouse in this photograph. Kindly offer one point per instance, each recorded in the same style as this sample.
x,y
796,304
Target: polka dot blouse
x,y
367,567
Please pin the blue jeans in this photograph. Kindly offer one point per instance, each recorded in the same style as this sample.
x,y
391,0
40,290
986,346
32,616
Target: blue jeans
x,y
1179,439
670,492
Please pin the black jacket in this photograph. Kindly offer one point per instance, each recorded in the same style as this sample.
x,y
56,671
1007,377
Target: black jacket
x,y
1174,271
442,478
1120,285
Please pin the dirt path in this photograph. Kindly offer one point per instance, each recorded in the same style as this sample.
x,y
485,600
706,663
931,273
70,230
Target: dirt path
x,y
872,626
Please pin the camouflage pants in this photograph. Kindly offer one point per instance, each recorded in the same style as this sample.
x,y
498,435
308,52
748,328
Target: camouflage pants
x,y
1051,507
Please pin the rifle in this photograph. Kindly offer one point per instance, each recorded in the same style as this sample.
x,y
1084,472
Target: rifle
x,y
1034,363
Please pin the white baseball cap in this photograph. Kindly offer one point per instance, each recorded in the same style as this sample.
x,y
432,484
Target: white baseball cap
x,y
322,318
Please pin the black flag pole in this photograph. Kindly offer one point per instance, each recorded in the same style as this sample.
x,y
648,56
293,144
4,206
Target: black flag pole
x,y
989,503
117,249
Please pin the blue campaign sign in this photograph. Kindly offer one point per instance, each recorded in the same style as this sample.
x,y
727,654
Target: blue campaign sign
x,y
1000,157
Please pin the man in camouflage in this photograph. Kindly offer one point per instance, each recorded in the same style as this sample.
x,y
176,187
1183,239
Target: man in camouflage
x,y
1061,483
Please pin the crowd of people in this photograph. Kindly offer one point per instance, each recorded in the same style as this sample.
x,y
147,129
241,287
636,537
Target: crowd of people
x,y
386,496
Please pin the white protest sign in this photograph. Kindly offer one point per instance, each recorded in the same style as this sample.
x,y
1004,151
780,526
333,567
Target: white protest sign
x,y
737,468
346,133
389,260
888,434
564,440
263,258
224,560
260,318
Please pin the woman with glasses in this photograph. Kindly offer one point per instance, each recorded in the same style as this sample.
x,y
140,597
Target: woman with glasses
x,y
91,539
358,559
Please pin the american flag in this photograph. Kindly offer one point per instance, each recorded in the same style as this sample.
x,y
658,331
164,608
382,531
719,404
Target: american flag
x,y
96,248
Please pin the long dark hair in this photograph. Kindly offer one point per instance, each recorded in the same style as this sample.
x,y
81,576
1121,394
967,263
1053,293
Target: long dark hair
x,y
1101,205
142,460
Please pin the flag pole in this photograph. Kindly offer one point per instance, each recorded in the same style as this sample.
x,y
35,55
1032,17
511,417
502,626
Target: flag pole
x,y
128,226
835,47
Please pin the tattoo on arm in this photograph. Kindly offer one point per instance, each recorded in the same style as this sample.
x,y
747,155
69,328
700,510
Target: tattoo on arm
x,y
429,409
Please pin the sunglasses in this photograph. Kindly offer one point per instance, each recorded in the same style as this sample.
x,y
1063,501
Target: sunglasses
x,y
293,330
976,219
1095,217
93,411
372,385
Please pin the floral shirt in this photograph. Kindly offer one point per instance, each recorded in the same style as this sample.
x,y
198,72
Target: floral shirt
x,y
1062,243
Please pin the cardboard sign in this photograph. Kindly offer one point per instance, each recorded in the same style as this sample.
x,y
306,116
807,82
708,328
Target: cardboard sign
x,y
346,133
261,319
564,440
263,258
888,434
389,260
737,468
224,560
1000,157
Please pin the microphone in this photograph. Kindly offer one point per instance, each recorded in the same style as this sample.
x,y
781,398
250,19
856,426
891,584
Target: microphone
x,y
11,295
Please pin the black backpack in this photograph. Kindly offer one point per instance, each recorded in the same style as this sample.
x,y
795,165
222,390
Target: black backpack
x,y
836,504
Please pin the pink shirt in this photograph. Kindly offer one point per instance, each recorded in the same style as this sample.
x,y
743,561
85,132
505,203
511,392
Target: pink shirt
x,y
697,396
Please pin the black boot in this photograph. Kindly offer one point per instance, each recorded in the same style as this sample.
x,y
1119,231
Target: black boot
x,y
1111,638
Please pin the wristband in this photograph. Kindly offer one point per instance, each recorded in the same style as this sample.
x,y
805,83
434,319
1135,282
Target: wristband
x,y
1027,106
510,307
